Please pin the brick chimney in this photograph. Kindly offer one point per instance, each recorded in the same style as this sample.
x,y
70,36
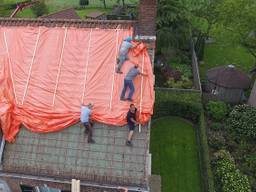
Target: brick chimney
x,y
147,17
146,28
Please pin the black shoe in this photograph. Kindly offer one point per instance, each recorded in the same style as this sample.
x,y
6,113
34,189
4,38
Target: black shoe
x,y
129,100
129,143
120,72
91,141
122,99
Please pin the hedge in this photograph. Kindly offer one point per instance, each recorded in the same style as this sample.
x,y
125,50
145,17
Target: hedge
x,y
204,153
187,104
169,102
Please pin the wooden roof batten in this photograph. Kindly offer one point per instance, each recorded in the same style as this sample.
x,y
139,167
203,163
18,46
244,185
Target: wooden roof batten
x,y
78,23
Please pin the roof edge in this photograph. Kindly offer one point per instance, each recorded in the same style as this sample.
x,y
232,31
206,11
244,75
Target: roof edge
x,y
79,23
65,181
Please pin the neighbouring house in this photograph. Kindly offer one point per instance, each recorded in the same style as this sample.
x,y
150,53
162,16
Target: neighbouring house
x,y
63,14
227,83
53,159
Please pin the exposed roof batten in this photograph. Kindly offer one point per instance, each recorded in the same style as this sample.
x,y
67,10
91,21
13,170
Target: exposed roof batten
x,y
103,24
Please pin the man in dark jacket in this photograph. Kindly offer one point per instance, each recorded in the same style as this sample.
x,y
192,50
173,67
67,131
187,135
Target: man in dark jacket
x,y
131,120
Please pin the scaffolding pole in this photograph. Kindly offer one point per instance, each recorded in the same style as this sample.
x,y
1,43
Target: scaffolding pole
x,y
141,87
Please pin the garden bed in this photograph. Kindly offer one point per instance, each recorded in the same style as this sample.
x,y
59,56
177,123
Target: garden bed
x,y
231,136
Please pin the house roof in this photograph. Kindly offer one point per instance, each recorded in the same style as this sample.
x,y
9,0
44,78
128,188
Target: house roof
x,y
63,14
66,154
49,22
229,77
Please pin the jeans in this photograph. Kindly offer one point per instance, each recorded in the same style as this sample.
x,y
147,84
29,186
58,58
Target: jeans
x,y
121,59
88,129
128,83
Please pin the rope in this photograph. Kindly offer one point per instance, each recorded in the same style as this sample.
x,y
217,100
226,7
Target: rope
x,y
60,65
141,86
31,64
86,66
9,59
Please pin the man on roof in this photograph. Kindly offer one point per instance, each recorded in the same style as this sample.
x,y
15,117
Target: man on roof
x,y
131,120
86,121
128,82
123,53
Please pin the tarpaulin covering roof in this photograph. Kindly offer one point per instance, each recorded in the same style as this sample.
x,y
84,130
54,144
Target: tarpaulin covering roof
x,y
46,73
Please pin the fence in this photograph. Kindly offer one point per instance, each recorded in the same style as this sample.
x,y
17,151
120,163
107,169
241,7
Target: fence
x,y
195,69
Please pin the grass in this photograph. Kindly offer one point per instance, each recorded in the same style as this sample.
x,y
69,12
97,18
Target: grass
x,y
218,54
226,50
57,5
175,157
26,13
10,1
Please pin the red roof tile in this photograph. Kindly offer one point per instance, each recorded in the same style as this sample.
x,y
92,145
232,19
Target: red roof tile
x,y
63,14
104,24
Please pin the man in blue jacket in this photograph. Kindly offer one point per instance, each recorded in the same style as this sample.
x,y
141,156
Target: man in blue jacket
x,y
123,53
86,121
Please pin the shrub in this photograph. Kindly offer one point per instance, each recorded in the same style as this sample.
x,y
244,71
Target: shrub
x,y
231,179
215,126
217,110
185,69
216,140
242,122
39,9
223,154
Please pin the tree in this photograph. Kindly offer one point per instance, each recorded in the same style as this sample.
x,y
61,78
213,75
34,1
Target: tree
x,y
239,17
40,8
204,17
173,27
104,3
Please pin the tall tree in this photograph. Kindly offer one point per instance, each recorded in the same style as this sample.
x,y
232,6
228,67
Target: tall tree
x,y
239,17
40,8
104,3
173,27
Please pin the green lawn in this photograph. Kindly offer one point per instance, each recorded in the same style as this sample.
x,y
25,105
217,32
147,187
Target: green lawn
x,y
10,1
218,54
175,157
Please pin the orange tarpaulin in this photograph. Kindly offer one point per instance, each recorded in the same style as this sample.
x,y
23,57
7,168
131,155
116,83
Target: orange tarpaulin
x,y
46,73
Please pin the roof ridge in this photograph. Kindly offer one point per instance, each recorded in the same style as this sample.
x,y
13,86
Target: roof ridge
x,y
79,23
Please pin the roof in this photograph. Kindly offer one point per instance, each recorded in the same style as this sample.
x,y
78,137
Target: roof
x,y
48,22
63,14
229,77
66,154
